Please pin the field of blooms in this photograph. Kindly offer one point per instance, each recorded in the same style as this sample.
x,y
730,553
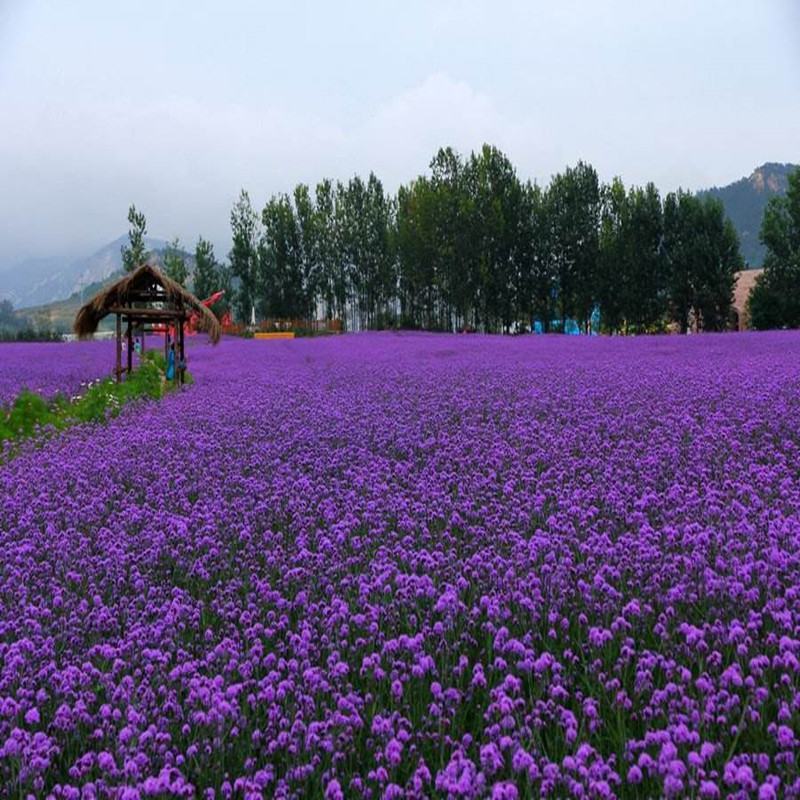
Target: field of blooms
x,y
414,566
51,368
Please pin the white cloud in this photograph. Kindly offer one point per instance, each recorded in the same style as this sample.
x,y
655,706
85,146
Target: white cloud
x,y
79,165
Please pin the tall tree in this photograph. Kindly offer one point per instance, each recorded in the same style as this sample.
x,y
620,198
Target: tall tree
x,y
281,290
701,249
327,248
455,288
341,268
775,300
498,218
244,255
175,263
574,215
415,238
206,269
309,243
135,253
224,284
613,280
364,218
381,277
646,292
719,261
541,263
681,221
630,282
351,207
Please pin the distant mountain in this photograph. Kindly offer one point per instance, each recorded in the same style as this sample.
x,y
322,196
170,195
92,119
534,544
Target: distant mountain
x,y
59,315
33,278
37,282
745,201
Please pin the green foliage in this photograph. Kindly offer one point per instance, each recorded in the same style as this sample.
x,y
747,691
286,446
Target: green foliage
x,y
244,256
775,300
280,285
496,202
225,285
631,281
366,216
573,201
326,250
175,263
702,255
420,276
29,413
766,306
205,269
470,246
135,253
210,276
539,283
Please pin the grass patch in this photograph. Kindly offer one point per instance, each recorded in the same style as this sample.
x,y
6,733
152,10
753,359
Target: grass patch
x,y
30,414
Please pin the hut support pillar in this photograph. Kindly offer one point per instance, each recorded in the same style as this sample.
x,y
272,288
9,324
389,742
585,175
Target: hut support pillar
x,y
182,356
118,370
129,336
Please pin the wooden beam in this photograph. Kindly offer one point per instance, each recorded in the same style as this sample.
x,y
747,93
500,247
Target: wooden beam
x,y
146,294
129,335
182,354
118,370
147,313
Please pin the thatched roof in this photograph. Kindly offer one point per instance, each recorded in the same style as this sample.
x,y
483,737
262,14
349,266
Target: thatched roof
x,y
147,279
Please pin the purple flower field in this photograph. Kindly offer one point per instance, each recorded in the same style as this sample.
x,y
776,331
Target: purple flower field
x,y
414,566
51,368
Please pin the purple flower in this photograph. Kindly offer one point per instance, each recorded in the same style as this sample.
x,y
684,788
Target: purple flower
x,y
32,717
327,560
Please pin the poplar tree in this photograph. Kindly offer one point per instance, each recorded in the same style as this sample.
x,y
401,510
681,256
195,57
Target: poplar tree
x,y
244,256
135,253
206,269
175,263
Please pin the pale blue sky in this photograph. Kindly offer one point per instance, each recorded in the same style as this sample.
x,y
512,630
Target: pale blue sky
x,y
177,105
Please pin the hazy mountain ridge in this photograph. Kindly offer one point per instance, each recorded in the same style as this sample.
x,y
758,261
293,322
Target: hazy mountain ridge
x,y
745,201
39,281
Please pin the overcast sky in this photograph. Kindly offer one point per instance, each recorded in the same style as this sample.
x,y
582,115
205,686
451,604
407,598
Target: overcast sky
x,y
177,105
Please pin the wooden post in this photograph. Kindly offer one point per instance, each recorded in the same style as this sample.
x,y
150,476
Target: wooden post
x,y
182,352
129,335
118,371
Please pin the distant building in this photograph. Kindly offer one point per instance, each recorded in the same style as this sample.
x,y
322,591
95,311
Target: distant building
x,y
745,281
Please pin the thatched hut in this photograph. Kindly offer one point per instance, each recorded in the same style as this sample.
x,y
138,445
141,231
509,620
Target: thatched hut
x,y
140,300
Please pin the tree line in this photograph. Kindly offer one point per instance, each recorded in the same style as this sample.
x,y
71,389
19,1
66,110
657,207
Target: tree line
x,y
471,246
